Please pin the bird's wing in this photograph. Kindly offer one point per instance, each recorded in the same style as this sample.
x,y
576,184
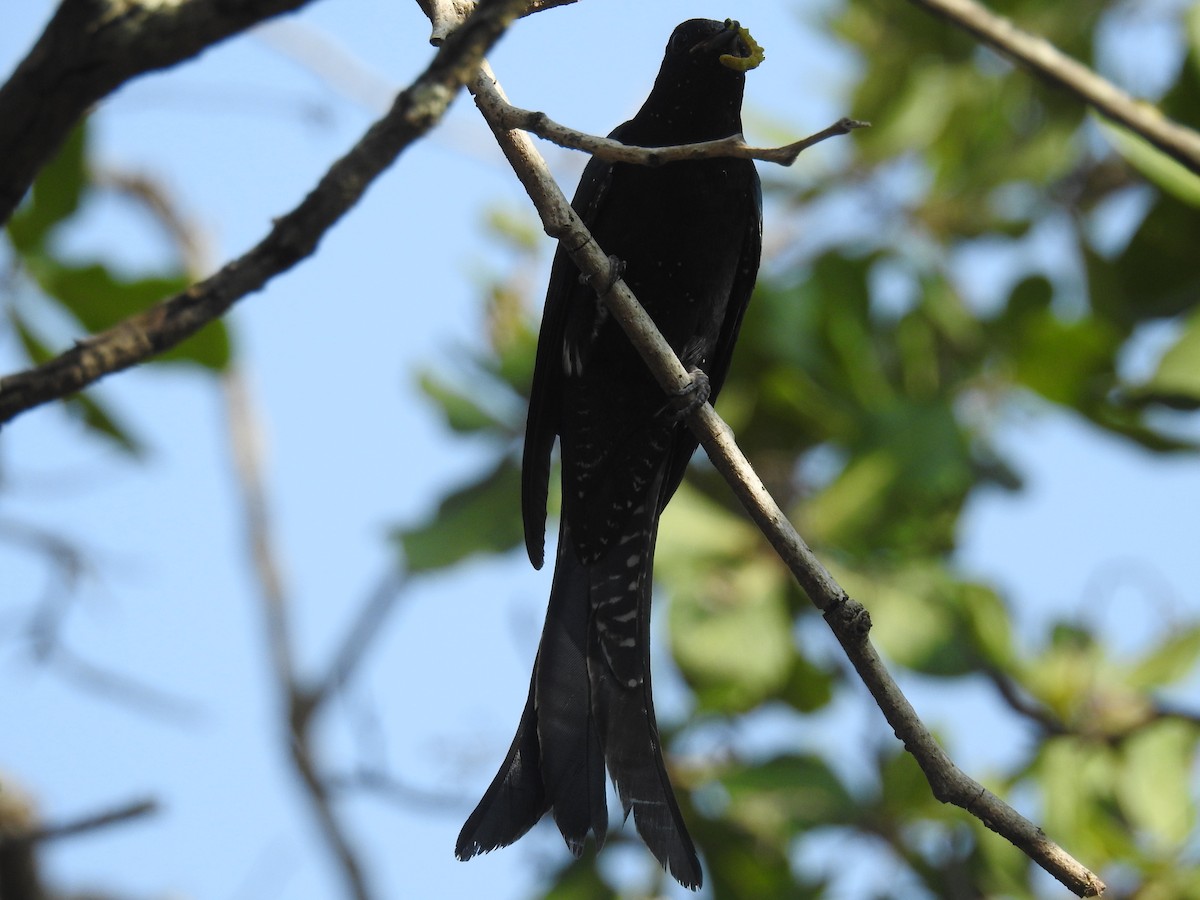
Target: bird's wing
x,y
718,362
542,425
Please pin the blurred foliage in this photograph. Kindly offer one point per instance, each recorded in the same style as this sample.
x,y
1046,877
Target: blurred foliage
x,y
48,285
867,389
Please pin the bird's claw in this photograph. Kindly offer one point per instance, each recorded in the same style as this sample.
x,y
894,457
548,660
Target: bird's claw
x,y
616,268
691,396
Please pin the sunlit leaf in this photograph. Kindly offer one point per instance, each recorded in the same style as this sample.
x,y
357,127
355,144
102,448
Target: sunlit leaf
x,y
1178,372
55,194
808,687
1168,662
1166,172
1065,362
94,414
731,635
479,518
101,420
787,794
1076,779
463,412
1155,781
915,616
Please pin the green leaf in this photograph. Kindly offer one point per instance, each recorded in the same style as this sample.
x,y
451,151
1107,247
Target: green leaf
x,y
515,227
986,619
808,687
99,299
1070,363
210,347
854,499
1151,278
730,626
96,297
1076,779
904,790
480,518
516,352
88,410
917,615
731,635
99,419
55,195
1166,172
579,881
731,631
1154,782
1172,660
1178,373
462,411
697,531
785,795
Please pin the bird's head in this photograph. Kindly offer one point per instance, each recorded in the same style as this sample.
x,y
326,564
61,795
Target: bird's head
x,y
697,95
705,42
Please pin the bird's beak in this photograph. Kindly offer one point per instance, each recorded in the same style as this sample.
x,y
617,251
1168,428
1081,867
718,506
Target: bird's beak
x,y
740,51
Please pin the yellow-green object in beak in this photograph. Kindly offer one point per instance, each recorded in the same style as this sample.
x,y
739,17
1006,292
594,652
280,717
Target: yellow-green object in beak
x,y
752,58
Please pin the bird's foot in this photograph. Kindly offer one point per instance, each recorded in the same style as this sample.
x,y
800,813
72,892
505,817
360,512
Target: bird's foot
x,y
616,268
692,396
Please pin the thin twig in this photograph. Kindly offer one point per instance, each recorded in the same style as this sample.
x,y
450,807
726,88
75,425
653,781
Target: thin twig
x,y
1043,58
94,822
1092,729
847,618
294,236
401,793
298,703
1023,705
614,151
131,693
366,628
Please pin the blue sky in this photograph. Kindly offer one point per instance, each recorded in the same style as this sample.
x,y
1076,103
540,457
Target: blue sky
x,y
351,448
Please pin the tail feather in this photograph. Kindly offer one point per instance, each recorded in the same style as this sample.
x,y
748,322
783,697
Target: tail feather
x,y
590,705
623,704
634,754
572,758
556,762
516,798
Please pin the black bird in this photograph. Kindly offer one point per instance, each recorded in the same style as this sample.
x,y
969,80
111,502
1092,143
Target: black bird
x,y
689,235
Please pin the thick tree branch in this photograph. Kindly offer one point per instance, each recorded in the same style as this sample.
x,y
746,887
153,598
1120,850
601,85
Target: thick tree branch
x,y
293,237
847,618
90,48
1044,59
447,15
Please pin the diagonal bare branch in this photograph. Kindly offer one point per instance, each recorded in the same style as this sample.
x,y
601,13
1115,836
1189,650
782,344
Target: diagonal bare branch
x,y
89,49
848,619
293,238
1042,58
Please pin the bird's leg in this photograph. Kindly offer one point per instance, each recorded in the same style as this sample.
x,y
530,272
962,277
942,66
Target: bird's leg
x,y
616,268
692,396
